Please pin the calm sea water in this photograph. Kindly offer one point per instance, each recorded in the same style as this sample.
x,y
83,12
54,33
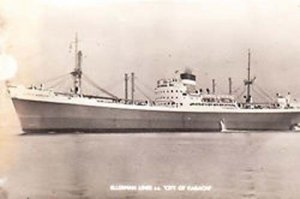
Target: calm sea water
x,y
235,165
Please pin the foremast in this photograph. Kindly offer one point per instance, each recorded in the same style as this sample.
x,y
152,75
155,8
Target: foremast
x,y
78,74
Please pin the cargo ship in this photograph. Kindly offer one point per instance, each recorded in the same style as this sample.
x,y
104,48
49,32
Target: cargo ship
x,y
178,106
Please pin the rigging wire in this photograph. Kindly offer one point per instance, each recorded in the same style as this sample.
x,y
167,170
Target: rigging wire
x,y
66,84
140,90
90,81
241,93
265,93
237,89
114,84
56,84
55,78
145,85
261,95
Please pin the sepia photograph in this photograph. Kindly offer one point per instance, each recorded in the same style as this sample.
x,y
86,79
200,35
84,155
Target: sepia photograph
x,y
140,99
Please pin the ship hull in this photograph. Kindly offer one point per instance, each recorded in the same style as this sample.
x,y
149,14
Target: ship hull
x,y
42,116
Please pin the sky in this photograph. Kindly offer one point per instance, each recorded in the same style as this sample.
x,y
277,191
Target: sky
x,y
154,39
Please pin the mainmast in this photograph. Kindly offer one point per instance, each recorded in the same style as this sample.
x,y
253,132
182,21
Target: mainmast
x,y
126,87
132,87
249,81
248,98
230,86
77,73
213,86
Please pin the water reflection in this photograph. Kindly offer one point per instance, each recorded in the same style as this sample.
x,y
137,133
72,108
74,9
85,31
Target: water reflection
x,y
236,165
